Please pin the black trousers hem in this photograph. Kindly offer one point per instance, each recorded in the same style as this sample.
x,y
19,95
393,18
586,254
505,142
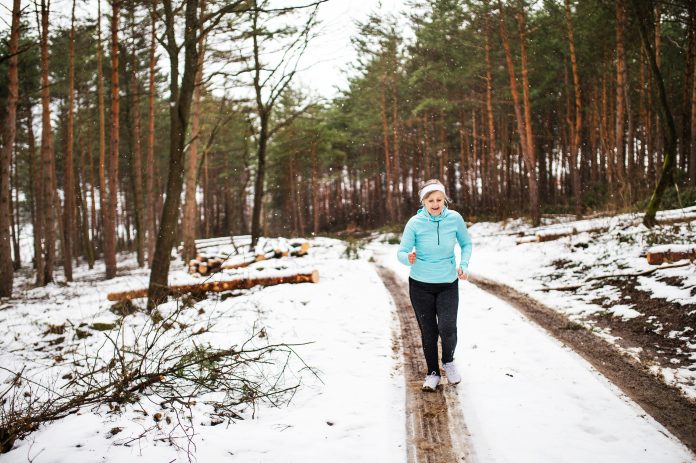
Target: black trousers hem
x,y
435,306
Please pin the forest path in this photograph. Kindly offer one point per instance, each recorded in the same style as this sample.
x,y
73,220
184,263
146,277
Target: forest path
x,y
435,426
526,394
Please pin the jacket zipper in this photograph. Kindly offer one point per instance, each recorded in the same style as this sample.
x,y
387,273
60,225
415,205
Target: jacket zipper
x,y
438,233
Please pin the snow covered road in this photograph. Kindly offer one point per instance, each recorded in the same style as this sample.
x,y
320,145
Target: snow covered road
x,y
527,398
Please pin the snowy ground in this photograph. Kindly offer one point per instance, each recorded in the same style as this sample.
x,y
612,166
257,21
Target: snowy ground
x,y
525,398
650,317
347,318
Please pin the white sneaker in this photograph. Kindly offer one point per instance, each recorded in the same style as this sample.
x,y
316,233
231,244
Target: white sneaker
x,y
453,376
431,382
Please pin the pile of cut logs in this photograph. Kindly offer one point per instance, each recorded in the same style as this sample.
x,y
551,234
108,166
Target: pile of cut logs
x,y
239,282
205,264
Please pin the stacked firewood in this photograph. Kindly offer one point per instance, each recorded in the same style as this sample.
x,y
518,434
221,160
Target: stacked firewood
x,y
205,264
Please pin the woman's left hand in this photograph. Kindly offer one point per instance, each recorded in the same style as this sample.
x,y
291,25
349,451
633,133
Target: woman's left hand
x,y
462,274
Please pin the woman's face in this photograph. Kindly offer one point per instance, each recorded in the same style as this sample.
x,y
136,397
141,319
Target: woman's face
x,y
434,202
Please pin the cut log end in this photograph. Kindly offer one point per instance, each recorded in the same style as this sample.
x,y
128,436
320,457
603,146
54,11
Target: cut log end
x,y
658,257
526,239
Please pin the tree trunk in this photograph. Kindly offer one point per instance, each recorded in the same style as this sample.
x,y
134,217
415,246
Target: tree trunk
x,y
80,191
150,204
387,155
668,128
531,151
692,151
686,100
137,170
264,116
630,146
69,169
489,109
103,194
10,130
92,199
441,149
620,103
474,157
260,177
189,224
208,199
298,205
417,161
593,130
470,171
39,219
315,189
606,153
642,128
528,155
179,111
246,176
290,200
14,213
110,225
426,147
577,130
395,145
658,142
464,196
47,155
692,155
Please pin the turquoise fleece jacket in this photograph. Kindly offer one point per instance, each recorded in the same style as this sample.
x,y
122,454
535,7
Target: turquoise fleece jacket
x,y
434,238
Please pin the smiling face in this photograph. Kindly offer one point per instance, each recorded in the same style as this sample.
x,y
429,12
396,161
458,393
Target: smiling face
x,y
434,202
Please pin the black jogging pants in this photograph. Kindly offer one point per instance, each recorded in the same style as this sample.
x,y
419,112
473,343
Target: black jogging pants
x,y
435,305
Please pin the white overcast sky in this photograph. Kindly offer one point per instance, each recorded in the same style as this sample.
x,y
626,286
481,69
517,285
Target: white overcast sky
x,y
330,55
326,61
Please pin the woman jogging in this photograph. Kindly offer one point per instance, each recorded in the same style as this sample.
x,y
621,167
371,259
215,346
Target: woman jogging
x,y
427,246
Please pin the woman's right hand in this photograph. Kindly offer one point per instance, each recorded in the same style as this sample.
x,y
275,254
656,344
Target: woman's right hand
x,y
412,257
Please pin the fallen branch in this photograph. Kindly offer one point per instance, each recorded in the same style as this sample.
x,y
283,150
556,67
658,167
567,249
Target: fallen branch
x,y
219,286
177,371
564,288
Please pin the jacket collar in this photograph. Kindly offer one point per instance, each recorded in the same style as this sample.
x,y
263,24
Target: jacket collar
x,y
423,212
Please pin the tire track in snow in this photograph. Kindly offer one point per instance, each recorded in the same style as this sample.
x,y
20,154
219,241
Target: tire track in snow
x,y
435,426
